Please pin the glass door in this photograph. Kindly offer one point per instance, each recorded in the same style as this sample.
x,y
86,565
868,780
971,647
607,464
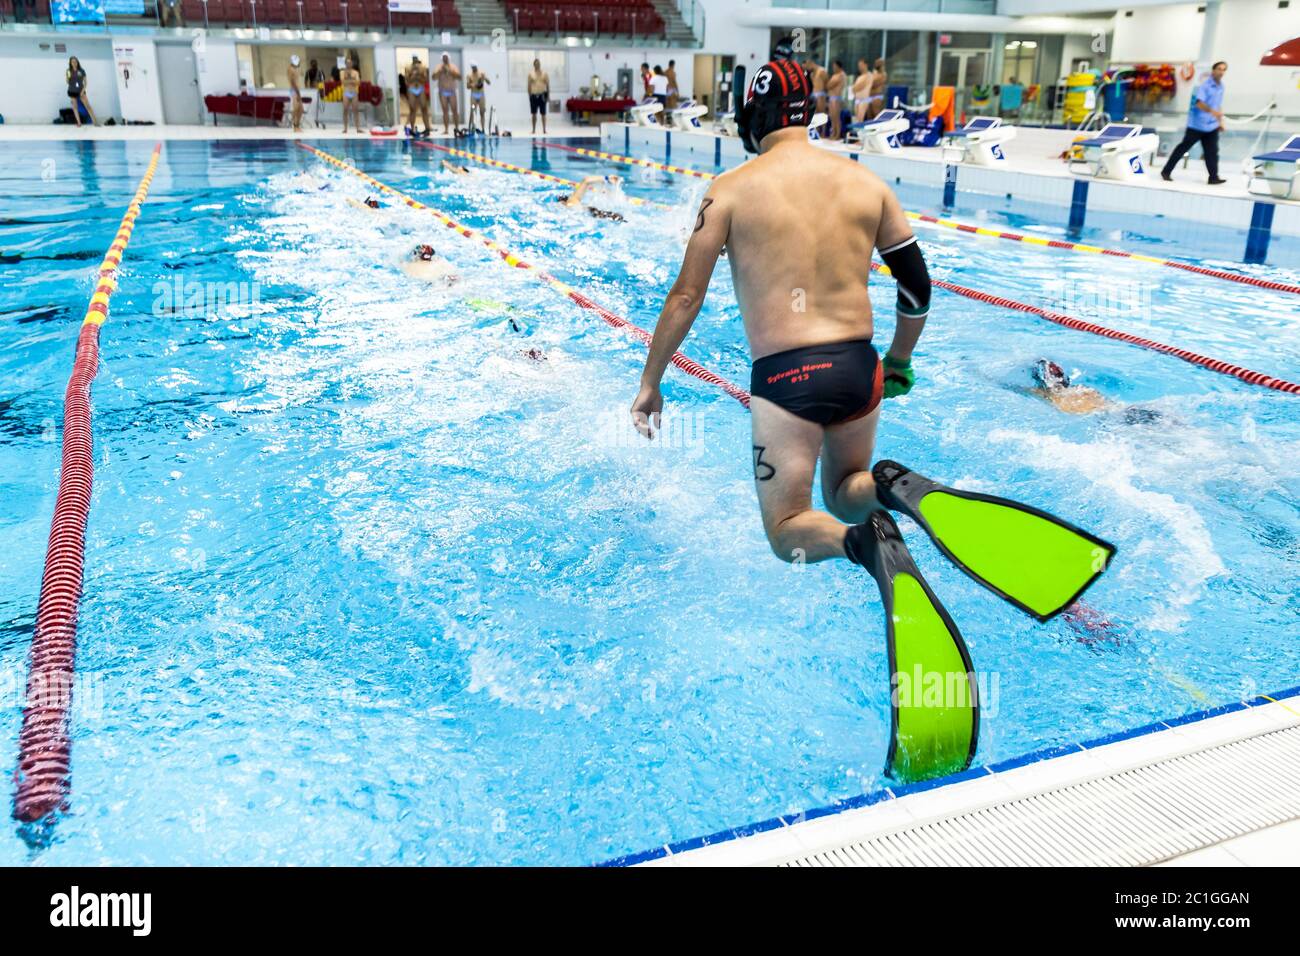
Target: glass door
x,y
962,69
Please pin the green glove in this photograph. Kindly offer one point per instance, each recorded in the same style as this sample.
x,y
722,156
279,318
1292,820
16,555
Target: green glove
x,y
899,377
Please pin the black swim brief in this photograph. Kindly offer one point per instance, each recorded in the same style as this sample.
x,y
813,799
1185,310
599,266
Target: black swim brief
x,y
826,384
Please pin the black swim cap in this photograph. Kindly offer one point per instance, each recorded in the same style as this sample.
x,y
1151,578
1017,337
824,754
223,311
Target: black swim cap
x,y
1050,375
784,49
779,97
424,252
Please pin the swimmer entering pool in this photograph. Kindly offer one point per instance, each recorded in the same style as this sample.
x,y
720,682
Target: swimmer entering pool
x,y
578,196
817,380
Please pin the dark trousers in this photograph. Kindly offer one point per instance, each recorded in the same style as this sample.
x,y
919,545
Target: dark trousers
x,y
1209,147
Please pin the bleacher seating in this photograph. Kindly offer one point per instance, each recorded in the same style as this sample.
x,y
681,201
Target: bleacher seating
x,y
608,17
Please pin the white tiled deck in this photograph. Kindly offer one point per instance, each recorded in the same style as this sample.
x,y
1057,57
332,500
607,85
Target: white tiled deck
x,y
1169,787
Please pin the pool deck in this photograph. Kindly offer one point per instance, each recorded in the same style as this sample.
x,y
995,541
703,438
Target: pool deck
x,y
1217,788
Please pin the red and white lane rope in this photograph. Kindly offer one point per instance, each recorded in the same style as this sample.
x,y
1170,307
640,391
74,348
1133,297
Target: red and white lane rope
x,y
985,231
687,365
44,743
1214,365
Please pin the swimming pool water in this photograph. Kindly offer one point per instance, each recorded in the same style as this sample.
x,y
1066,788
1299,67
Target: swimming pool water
x,y
366,583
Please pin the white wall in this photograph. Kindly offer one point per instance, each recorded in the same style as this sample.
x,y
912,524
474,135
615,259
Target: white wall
x,y
1160,34
218,66
32,84
751,46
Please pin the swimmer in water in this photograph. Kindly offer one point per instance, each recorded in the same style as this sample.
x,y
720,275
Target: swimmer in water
x,y
576,198
425,264
1054,385
369,204
450,167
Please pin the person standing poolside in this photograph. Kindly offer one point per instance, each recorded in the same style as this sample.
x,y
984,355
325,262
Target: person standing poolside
x,y
314,77
817,77
295,94
351,80
1204,121
835,96
674,95
646,77
539,91
861,90
475,83
448,78
76,79
876,99
659,90
417,94
817,381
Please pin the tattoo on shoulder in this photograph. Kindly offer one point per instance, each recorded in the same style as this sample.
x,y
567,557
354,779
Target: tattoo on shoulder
x,y
699,220
762,470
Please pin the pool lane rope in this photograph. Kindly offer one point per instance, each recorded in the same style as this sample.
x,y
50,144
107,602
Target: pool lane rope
x,y
510,167
682,362
1214,365
44,744
987,232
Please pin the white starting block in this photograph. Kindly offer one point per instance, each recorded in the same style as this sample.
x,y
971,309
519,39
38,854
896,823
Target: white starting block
x,y
726,124
643,114
1116,152
880,135
1277,173
818,121
979,142
687,115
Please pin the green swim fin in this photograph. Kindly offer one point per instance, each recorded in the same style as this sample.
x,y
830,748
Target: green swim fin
x,y
1028,557
933,701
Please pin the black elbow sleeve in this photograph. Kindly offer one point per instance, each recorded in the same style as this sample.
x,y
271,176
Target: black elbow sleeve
x,y
907,266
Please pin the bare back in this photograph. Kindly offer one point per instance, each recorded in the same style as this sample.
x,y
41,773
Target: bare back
x,y
800,259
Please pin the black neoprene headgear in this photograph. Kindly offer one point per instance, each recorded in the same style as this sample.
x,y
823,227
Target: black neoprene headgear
x,y
779,97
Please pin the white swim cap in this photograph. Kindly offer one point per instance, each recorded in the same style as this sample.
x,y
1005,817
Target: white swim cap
x,y
294,59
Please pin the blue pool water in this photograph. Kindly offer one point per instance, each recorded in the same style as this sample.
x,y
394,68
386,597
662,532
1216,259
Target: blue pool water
x,y
365,583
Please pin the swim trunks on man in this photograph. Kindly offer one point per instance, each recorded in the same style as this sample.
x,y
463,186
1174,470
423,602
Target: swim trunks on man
x,y
826,384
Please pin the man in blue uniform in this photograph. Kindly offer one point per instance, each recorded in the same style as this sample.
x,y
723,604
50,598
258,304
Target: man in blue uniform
x,y
1204,121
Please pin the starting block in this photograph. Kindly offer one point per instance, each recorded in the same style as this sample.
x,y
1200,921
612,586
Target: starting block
x,y
1277,173
979,142
643,114
880,135
687,115
1116,152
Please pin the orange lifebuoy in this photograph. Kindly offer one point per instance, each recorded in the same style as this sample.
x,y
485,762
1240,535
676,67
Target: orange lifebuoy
x,y
1187,71
383,131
